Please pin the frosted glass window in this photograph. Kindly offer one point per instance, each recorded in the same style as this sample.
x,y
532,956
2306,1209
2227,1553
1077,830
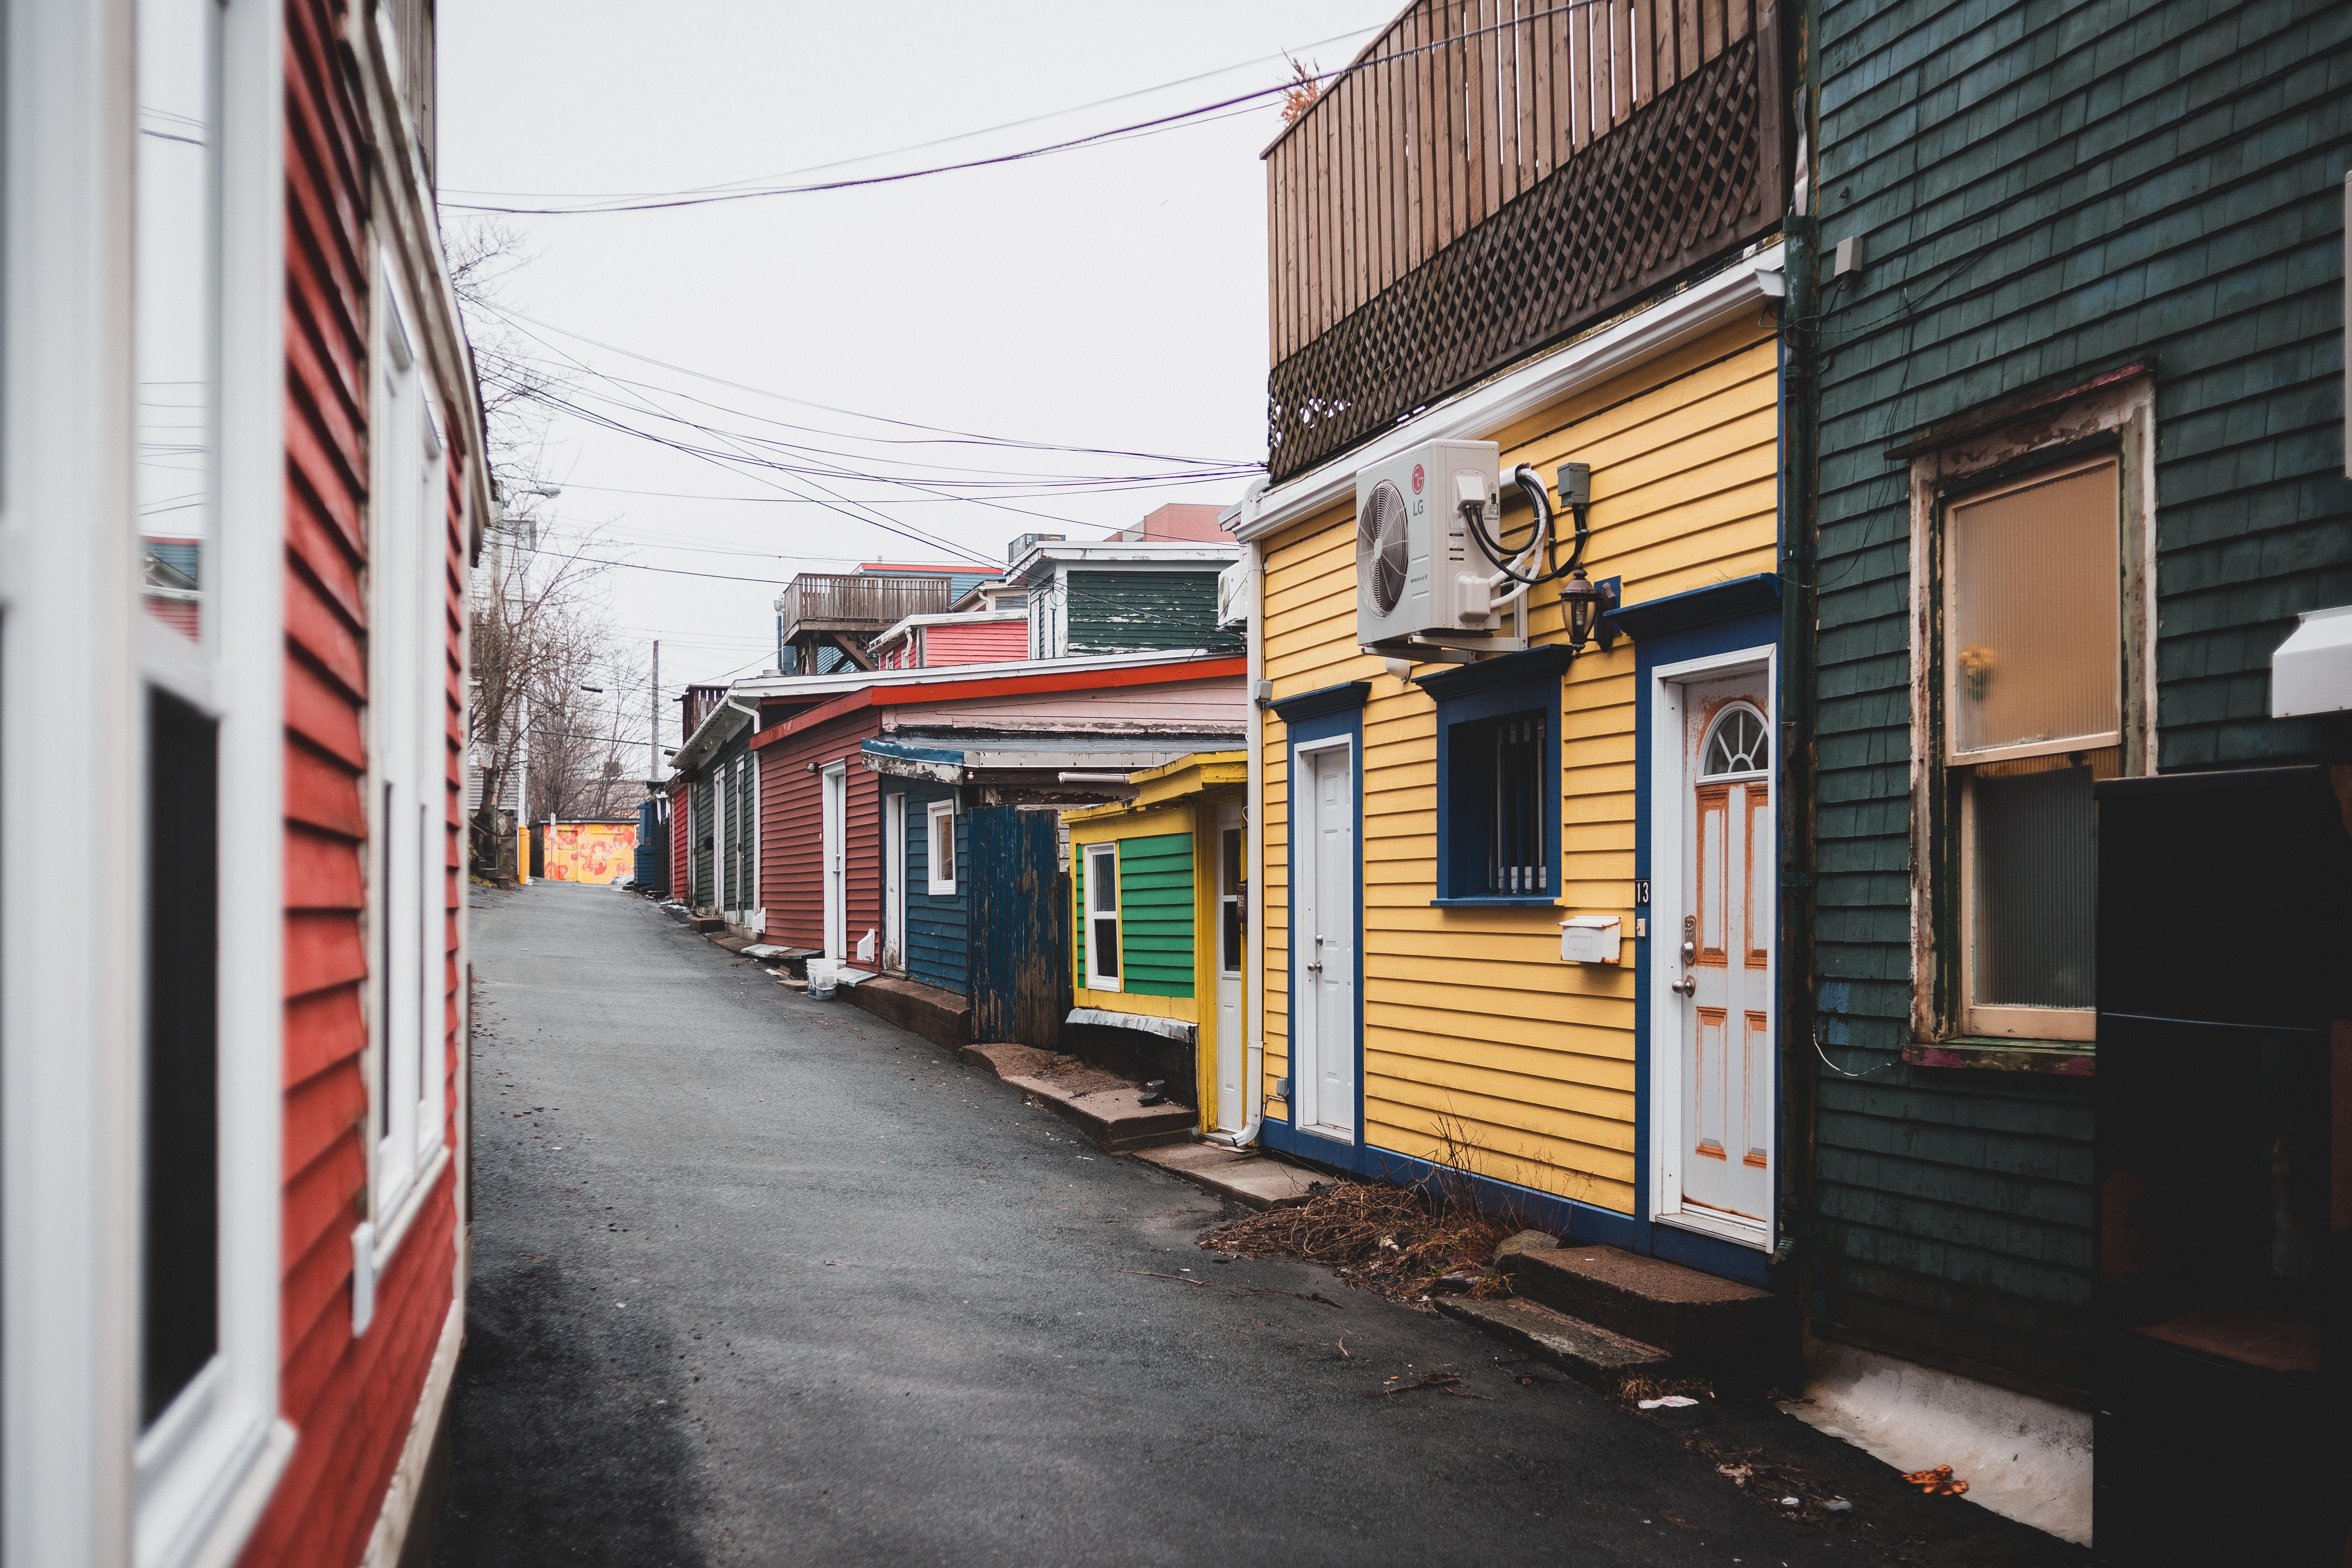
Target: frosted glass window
x,y
175,338
2035,892
2033,623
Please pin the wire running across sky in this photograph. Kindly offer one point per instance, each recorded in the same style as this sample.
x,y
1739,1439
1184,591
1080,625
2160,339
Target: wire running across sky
x,y
1239,103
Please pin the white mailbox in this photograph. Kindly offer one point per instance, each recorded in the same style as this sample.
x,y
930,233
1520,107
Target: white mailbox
x,y
1590,939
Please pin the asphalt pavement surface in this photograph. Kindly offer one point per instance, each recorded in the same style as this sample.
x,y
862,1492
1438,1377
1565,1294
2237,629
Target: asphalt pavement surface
x,y
759,1279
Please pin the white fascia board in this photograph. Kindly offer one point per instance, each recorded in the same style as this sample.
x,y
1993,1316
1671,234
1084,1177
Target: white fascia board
x,y
1113,552
1476,413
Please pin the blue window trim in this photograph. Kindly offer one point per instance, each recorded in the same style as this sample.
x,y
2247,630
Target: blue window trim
x,y
1492,688
1724,618
1338,715
1349,697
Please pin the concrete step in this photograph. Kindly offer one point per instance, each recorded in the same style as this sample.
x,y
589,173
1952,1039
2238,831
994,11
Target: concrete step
x,y
1253,1179
1712,1327
705,923
1585,1352
1107,1110
942,1017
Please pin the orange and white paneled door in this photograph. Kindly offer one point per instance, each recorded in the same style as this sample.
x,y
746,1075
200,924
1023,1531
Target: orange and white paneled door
x,y
1712,861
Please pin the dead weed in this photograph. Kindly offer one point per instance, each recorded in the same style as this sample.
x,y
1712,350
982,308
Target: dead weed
x,y
1397,1241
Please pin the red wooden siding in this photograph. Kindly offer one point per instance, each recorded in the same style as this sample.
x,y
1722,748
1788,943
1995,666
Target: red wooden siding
x,y
352,1401
792,829
681,845
987,642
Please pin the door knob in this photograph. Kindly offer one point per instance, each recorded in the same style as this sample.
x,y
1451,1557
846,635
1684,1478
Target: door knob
x,y
1315,966
1687,986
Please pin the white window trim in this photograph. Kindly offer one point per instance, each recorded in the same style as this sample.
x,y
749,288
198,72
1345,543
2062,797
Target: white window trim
x,y
941,887
1666,912
2127,410
404,730
1117,915
199,1475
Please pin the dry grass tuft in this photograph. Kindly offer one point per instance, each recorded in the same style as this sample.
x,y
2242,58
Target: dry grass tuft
x,y
1398,1241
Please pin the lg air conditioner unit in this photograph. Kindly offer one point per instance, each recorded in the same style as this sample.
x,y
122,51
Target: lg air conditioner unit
x,y
1419,579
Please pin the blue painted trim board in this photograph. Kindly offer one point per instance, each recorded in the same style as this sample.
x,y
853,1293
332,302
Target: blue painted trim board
x,y
1703,632
1517,683
1338,711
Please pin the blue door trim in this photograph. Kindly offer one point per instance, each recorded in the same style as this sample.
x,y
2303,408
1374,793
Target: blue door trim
x,y
1693,637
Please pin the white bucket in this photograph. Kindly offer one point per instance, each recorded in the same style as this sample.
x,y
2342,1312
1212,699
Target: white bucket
x,y
823,972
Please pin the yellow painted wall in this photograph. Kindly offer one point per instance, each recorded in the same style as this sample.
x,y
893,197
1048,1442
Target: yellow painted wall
x,y
1471,1022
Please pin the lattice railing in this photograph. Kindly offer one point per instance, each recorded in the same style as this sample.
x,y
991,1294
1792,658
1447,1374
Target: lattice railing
x,y
1644,141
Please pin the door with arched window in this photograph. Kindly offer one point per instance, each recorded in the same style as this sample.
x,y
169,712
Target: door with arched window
x,y
1717,1122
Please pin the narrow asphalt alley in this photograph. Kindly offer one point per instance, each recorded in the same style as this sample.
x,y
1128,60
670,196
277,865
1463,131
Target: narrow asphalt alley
x,y
761,1279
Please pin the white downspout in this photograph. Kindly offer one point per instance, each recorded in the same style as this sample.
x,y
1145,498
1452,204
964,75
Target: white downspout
x,y
1253,1060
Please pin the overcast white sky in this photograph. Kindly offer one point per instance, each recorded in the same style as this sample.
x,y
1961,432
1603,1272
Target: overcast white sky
x,y
1112,297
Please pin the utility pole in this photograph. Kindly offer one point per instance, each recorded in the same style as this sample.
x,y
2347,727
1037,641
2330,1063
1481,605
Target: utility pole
x,y
652,760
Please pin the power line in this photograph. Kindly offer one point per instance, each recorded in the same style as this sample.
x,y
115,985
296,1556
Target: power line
x,y
939,141
513,316
707,196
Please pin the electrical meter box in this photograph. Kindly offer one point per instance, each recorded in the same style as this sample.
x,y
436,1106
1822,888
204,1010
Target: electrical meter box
x,y
1592,939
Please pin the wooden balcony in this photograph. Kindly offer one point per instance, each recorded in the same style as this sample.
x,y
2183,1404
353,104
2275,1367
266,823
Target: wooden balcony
x,y
847,610
1491,176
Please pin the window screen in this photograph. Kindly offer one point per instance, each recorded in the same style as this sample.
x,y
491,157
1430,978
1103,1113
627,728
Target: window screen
x,y
2032,633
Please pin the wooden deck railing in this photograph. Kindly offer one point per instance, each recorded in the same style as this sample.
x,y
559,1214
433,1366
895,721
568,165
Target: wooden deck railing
x,y
858,602
1487,175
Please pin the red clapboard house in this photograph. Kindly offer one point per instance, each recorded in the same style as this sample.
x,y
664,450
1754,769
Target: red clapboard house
x,y
244,483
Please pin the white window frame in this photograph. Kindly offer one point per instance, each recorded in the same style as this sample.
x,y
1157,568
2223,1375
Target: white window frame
x,y
1096,855
2125,412
933,811
407,1006
82,1482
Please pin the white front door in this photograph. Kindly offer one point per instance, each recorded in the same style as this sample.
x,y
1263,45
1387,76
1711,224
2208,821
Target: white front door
x,y
1230,912
836,851
1715,939
1323,942
894,883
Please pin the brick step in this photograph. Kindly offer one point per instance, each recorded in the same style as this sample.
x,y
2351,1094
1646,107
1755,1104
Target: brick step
x,y
1584,1351
1710,1326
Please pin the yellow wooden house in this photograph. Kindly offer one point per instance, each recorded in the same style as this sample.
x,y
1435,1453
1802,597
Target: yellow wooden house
x,y
1517,879
1158,923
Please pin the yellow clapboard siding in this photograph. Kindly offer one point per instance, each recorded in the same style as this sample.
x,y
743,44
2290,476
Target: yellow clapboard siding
x,y
1471,1020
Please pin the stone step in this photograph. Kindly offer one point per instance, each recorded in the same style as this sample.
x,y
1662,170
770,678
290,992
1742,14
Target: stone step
x,y
1253,1179
1106,1108
942,1017
1712,1327
1585,1352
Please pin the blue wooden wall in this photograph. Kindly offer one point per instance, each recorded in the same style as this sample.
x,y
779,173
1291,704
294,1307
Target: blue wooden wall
x,y
938,936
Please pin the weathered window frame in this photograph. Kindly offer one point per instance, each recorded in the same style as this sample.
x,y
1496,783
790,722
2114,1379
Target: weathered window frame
x,y
2117,418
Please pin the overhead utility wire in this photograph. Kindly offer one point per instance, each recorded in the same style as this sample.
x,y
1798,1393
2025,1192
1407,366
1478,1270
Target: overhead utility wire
x,y
723,460
514,316
706,197
939,141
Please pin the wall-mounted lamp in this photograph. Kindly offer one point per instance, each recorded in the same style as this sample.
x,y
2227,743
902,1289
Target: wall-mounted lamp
x,y
1585,602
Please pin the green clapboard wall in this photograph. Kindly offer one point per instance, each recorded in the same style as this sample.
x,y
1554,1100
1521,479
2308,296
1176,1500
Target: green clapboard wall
x,y
1138,612
1155,906
2041,190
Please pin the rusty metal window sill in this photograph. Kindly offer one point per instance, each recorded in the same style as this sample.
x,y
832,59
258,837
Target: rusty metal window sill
x,y
2062,1058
